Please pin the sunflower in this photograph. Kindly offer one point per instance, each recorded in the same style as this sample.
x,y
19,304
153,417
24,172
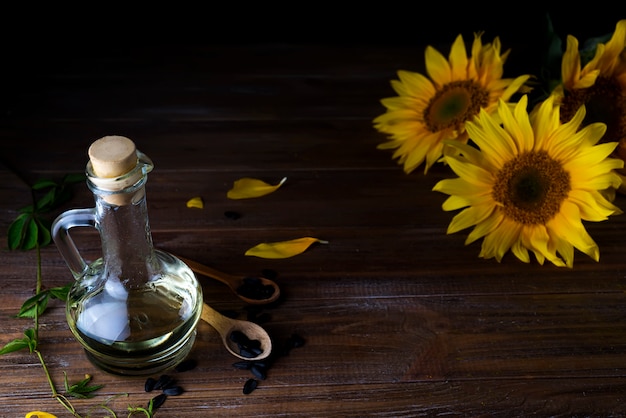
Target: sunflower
x,y
600,85
530,183
429,111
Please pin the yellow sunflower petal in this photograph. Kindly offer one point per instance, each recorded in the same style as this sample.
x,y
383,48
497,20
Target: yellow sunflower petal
x,y
486,227
247,187
490,137
417,85
590,207
195,202
458,59
469,217
571,228
437,67
283,249
544,121
520,251
498,242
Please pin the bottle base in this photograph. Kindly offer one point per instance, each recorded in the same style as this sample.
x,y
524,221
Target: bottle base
x,y
131,366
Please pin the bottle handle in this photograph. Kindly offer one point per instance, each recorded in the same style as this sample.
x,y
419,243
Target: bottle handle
x,y
64,242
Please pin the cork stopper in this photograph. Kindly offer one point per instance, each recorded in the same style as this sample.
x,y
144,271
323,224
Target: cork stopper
x,y
112,156
114,168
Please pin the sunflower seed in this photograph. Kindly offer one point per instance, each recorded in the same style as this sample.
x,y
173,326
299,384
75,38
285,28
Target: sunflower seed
x,y
295,340
158,400
249,386
163,382
253,288
150,383
242,365
173,390
258,372
231,214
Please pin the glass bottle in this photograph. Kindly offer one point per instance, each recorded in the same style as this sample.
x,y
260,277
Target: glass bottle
x,y
135,309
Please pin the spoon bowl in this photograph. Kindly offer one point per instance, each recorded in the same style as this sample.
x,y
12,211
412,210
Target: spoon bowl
x,y
265,290
228,328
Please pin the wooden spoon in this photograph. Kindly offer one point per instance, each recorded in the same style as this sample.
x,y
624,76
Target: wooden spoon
x,y
234,282
225,326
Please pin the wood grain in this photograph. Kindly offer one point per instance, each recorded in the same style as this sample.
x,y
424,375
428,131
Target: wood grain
x,y
400,319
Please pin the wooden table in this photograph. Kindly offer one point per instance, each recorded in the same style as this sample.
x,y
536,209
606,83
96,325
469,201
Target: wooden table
x,y
399,319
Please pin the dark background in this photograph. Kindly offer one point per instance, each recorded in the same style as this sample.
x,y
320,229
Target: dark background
x,y
35,35
34,39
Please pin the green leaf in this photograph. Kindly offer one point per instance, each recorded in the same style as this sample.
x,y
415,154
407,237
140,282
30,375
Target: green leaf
x,y
27,209
31,337
17,230
43,183
37,302
47,200
29,341
31,235
80,389
44,236
61,292
15,345
73,178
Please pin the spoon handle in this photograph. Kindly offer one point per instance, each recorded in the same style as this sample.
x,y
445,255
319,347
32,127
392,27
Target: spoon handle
x,y
215,319
207,271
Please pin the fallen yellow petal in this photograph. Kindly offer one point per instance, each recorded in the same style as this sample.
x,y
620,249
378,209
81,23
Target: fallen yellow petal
x,y
195,202
39,414
283,249
247,187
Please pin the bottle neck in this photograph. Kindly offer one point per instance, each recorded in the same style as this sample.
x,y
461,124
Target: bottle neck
x,y
121,217
127,248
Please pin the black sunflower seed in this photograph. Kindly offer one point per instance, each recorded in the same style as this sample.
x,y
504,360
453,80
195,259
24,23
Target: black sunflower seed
x,y
163,382
258,372
244,352
251,344
242,365
253,288
239,337
295,340
249,386
150,383
231,214
173,390
158,400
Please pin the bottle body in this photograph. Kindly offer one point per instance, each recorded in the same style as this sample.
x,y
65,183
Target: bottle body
x,y
142,331
135,309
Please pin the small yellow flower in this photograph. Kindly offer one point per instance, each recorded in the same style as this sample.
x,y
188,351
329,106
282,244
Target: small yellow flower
x,y
430,110
39,414
531,183
600,85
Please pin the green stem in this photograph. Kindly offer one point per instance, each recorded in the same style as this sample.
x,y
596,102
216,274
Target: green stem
x,y
37,291
47,373
55,394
